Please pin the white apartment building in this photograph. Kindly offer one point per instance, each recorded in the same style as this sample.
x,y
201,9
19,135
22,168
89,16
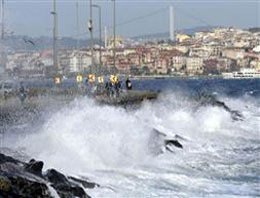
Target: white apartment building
x,y
202,51
78,61
178,62
194,65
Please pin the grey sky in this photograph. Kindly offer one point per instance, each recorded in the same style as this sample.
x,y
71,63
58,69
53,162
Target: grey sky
x,y
33,17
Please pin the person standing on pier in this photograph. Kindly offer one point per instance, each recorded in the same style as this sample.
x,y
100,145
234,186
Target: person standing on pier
x,y
22,93
128,84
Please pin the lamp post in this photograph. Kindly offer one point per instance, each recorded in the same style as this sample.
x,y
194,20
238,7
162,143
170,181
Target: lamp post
x,y
2,20
77,16
90,28
114,48
55,37
100,34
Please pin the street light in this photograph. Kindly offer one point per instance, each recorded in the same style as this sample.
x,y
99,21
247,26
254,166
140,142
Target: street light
x,y
90,28
100,33
55,37
2,19
77,17
114,51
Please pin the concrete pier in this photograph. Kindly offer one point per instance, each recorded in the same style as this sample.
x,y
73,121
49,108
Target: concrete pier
x,y
37,98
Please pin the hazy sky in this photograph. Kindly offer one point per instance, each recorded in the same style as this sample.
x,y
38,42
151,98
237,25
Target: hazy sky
x,y
33,18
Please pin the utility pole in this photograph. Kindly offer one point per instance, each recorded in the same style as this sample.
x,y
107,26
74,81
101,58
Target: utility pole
x,y
2,20
77,11
100,34
114,48
90,27
2,54
55,37
105,32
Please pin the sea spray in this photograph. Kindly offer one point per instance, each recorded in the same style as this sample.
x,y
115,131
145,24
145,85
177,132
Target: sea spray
x,y
110,145
85,135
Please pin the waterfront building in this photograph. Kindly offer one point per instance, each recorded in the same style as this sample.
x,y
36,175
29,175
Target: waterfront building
x,y
194,65
182,37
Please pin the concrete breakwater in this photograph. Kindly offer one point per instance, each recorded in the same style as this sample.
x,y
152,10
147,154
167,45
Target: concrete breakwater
x,y
42,92
37,99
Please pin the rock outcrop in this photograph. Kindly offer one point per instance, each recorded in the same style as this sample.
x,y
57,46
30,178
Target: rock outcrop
x,y
26,180
204,99
159,142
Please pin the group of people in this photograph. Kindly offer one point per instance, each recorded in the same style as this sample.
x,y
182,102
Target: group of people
x,y
114,86
111,88
21,92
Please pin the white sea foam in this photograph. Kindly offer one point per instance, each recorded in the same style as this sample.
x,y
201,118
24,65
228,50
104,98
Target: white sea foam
x,y
110,145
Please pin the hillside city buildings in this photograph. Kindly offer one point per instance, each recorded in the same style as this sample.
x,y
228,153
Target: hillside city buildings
x,y
204,53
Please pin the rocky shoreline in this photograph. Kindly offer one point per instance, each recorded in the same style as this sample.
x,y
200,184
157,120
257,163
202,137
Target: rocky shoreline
x,y
27,180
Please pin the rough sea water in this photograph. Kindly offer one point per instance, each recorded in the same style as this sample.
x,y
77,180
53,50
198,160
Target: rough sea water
x,y
111,145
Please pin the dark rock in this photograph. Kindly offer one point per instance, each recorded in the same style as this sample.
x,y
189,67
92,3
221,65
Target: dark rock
x,y
25,180
68,191
34,167
4,159
62,185
176,143
15,182
56,177
237,116
208,99
15,186
84,183
157,142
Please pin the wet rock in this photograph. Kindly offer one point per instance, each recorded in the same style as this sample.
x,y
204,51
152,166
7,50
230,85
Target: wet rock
x,y
67,191
175,143
208,99
84,183
15,186
24,180
34,167
4,159
56,177
159,142
237,116
16,182
63,186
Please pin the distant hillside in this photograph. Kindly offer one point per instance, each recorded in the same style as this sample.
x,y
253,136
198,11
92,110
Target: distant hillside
x,y
166,34
25,43
254,29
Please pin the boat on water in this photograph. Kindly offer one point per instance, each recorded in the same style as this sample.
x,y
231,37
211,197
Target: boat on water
x,y
244,73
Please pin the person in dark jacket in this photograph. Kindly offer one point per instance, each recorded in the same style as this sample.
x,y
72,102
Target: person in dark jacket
x,y
109,89
128,84
117,88
22,93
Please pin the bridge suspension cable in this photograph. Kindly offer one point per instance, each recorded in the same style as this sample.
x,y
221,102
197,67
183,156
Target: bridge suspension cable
x,y
193,16
125,22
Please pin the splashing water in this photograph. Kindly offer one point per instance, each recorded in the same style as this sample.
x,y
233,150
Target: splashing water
x,y
109,145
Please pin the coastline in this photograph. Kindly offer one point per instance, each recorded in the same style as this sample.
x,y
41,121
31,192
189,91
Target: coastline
x,y
160,77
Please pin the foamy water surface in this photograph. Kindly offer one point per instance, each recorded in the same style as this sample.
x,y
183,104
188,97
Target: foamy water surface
x,y
109,145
